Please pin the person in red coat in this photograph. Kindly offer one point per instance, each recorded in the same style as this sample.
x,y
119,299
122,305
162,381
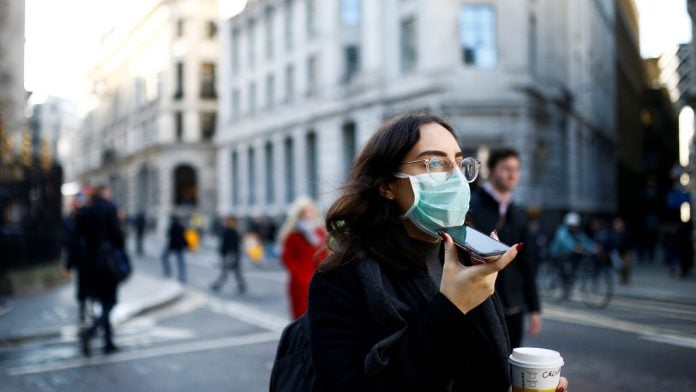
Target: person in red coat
x,y
302,238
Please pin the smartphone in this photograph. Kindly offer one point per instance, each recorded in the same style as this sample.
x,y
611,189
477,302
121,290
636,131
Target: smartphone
x,y
479,245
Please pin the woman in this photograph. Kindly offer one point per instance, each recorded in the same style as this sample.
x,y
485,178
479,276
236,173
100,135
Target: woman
x,y
392,308
302,239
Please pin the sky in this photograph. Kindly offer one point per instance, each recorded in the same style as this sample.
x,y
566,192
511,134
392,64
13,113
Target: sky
x,y
61,36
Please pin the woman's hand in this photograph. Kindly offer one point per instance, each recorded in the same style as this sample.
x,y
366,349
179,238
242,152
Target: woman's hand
x,y
468,287
562,385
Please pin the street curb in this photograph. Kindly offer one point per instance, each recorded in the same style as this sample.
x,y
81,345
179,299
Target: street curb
x,y
119,317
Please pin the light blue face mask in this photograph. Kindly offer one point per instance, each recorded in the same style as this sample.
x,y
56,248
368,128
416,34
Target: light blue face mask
x,y
438,202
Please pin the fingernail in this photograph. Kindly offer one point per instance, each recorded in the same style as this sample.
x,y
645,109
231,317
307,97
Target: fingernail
x,y
442,235
495,232
519,246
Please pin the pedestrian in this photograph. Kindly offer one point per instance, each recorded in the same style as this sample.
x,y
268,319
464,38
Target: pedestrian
x,y
302,239
394,306
73,244
569,245
139,222
99,227
176,243
230,254
494,209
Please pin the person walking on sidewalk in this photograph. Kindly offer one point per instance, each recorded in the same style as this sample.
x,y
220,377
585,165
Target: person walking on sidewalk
x,y
230,255
493,208
176,243
98,226
302,237
75,258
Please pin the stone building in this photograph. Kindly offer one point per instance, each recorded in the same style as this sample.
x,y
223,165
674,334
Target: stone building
x,y
150,134
304,83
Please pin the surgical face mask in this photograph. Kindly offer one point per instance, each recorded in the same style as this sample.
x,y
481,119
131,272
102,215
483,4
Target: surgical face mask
x,y
438,201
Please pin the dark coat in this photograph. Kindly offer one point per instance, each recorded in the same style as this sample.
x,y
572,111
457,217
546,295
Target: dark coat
x,y
177,241
96,223
74,256
515,284
229,244
364,340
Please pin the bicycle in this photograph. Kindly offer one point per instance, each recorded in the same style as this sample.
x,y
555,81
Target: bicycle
x,y
558,278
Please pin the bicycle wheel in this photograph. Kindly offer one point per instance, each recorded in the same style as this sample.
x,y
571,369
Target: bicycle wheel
x,y
549,282
596,287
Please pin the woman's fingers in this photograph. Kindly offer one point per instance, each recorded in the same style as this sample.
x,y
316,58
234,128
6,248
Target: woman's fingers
x,y
562,385
505,259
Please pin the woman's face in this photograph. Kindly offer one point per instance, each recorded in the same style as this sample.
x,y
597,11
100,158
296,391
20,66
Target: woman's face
x,y
308,212
435,141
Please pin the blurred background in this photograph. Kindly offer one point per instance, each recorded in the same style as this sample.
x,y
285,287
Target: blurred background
x,y
203,109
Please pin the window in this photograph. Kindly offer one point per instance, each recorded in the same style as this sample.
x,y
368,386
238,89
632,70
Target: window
x,y
409,51
269,32
351,60
180,28
208,126
235,178
270,91
311,75
235,50
289,83
270,173
179,92
252,97
289,171
251,178
211,29
179,125
236,104
349,146
208,81
185,187
351,13
251,47
312,165
477,35
288,24
311,18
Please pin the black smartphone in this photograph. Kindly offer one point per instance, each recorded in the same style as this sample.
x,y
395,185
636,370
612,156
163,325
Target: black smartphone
x,y
479,245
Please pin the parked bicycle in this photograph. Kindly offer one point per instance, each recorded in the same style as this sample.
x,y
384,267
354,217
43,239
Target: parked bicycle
x,y
585,275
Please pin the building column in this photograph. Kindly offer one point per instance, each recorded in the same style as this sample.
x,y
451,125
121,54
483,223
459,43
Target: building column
x,y
224,181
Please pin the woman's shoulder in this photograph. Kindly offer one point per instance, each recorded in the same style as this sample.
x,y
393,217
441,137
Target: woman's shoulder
x,y
342,274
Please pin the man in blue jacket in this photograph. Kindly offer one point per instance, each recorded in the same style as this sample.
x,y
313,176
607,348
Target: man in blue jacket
x,y
493,208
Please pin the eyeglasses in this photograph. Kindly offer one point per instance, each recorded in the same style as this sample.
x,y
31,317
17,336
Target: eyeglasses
x,y
469,167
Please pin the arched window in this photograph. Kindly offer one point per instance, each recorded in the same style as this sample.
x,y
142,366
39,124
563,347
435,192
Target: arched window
x,y
185,186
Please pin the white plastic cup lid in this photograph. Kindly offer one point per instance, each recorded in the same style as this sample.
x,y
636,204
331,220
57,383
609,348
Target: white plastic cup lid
x,y
535,357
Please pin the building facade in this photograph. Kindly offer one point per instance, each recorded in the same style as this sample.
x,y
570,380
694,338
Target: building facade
x,y
54,124
12,94
305,83
150,134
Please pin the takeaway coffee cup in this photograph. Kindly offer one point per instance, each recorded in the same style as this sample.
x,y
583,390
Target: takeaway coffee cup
x,y
535,369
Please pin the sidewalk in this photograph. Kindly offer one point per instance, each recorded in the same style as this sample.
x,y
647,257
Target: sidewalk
x,y
652,281
54,312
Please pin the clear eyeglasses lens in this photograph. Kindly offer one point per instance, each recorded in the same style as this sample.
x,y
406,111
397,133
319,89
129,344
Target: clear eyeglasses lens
x,y
468,166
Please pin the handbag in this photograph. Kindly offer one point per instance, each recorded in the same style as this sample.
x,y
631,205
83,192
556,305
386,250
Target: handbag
x,y
113,263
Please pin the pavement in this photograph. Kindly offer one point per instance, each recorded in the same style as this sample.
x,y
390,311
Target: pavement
x,y
653,281
54,312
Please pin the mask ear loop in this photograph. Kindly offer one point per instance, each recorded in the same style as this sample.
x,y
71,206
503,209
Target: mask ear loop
x,y
414,188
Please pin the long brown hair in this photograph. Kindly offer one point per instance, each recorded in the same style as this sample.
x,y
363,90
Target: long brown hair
x,y
361,222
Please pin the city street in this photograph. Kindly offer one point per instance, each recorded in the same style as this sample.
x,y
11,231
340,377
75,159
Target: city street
x,y
226,342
